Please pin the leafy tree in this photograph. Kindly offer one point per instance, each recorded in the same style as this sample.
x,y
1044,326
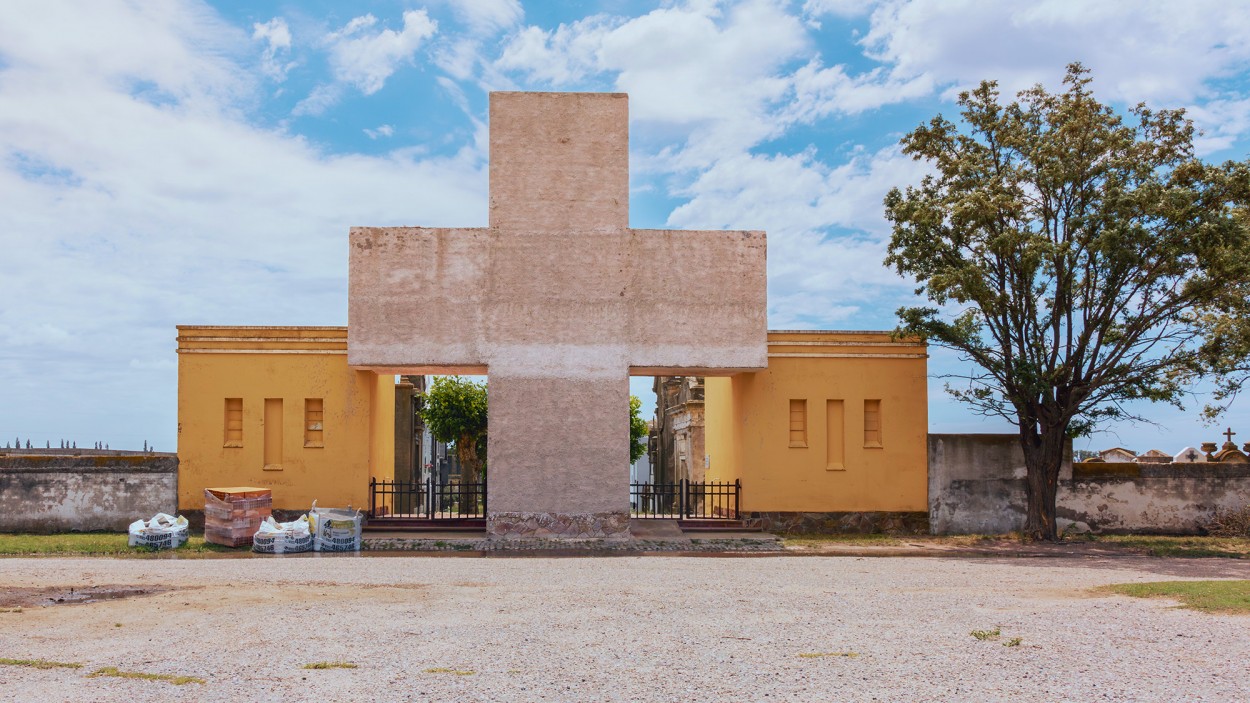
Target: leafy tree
x,y
455,411
638,430
1227,343
1080,263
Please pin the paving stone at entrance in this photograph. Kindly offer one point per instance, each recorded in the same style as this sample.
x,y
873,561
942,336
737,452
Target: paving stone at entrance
x,y
656,529
555,300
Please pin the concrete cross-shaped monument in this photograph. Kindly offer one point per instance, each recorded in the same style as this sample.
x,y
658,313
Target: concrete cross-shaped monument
x,y
559,302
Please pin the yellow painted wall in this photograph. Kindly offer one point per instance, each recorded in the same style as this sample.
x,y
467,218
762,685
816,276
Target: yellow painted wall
x,y
818,367
721,430
291,363
382,427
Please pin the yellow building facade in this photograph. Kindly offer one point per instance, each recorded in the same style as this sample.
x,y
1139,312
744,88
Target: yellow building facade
x,y
831,436
279,408
837,424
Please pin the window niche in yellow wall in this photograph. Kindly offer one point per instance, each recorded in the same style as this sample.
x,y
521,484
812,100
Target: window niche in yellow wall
x,y
798,423
314,413
233,423
273,434
872,423
835,436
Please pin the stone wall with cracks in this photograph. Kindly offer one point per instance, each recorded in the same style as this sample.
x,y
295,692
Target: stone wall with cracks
x,y
85,492
976,486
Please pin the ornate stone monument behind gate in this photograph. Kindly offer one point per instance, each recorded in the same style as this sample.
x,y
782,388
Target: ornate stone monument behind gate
x,y
556,302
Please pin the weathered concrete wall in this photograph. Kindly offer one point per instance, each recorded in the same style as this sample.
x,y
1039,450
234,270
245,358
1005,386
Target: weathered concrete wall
x,y
976,485
42,493
556,300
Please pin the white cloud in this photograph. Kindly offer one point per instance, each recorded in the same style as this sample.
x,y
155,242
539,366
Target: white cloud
x,y
558,57
698,71
820,92
1154,51
815,278
277,37
132,215
488,17
1220,122
837,8
385,130
462,54
366,59
320,99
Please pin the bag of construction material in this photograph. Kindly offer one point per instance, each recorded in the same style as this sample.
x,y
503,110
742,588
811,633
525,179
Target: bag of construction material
x,y
335,529
163,531
283,537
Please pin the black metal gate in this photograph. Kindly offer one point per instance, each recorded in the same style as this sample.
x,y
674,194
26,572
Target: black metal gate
x,y
426,500
685,500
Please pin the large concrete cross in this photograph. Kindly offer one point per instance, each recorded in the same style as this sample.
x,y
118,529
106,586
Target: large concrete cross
x,y
559,301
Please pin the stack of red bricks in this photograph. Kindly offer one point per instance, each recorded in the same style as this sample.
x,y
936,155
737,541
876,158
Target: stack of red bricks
x,y
233,515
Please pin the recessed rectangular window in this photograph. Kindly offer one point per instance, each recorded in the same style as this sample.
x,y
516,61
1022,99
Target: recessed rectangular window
x,y
313,416
835,436
872,423
273,434
234,423
798,423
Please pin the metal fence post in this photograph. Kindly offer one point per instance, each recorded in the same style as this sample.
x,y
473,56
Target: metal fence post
x,y
429,498
373,496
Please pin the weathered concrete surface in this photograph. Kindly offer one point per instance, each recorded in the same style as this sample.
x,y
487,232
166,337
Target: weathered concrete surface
x,y
867,522
555,301
47,493
976,485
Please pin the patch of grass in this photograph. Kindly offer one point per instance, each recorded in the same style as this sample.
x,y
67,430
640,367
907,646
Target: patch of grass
x,y
970,540
818,540
109,544
819,655
984,635
40,664
1207,596
1163,546
331,665
114,672
1013,642
11,610
444,670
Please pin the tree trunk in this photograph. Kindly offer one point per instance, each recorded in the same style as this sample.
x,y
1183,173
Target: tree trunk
x,y
466,452
1043,455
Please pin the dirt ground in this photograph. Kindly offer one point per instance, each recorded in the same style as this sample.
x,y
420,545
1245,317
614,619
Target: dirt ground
x,y
627,628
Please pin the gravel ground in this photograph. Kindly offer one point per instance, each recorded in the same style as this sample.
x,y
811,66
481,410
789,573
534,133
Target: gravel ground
x,y
625,629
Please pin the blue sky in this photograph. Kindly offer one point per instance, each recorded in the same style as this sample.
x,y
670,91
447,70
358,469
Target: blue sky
x,y
184,162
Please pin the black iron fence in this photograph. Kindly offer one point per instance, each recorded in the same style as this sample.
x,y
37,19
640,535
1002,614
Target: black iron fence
x,y
426,499
689,500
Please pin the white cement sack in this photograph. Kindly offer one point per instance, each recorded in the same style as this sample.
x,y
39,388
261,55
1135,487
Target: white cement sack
x,y
335,529
163,531
283,537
